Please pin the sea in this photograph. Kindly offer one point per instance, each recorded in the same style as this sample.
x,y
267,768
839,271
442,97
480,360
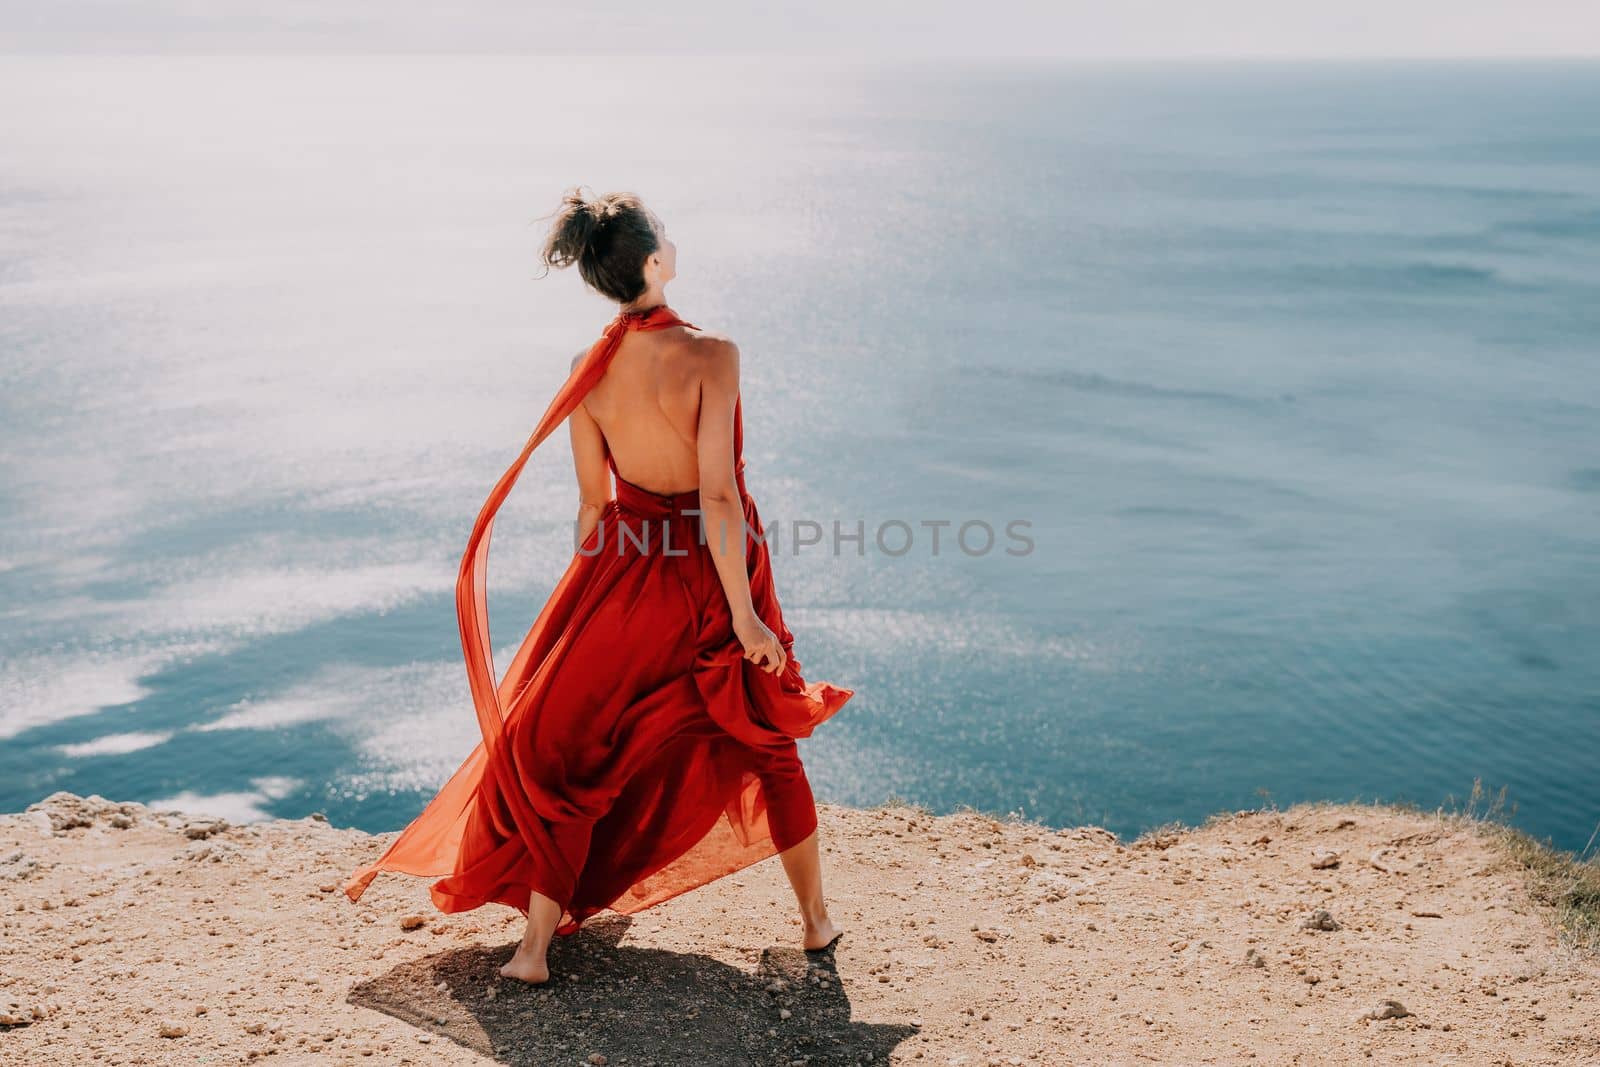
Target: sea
x,y
1138,441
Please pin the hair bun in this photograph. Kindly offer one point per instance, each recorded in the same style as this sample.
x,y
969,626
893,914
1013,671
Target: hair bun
x,y
608,237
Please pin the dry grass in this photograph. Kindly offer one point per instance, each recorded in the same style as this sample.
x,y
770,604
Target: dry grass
x,y
1569,882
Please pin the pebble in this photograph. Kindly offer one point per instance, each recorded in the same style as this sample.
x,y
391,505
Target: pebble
x,y
169,1028
200,829
1323,860
1321,919
1389,1009
16,1013
412,922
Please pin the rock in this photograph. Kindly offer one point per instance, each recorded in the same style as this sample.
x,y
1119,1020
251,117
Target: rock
x,y
1389,1009
597,1059
987,935
1321,919
1254,958
68,811
171,1028
1324,859
17,866
412,922
200,829
17,1013
208,851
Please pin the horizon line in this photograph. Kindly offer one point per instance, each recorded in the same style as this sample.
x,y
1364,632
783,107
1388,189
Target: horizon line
x,y
930,57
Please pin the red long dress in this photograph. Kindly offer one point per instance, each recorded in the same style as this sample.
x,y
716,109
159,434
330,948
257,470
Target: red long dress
x,y
631,752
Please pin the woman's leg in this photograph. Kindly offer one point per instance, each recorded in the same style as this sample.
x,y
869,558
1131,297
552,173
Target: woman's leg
x,y
792,815
803,864
528,964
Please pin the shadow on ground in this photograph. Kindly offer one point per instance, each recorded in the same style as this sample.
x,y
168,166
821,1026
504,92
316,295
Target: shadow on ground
x,y
635,1006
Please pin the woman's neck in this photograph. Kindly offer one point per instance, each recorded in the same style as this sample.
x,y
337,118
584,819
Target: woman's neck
x,y
645,302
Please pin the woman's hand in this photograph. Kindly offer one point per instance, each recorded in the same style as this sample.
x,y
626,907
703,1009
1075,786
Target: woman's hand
x,y
761,645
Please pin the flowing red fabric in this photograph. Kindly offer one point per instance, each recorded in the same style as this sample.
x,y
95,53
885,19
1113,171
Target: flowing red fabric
x,y
631,753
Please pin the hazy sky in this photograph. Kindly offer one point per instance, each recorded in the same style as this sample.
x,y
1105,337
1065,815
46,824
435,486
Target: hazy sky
x,y
1092,29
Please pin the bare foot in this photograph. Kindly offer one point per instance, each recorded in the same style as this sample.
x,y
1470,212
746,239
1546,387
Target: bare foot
x,y
820,935
526,966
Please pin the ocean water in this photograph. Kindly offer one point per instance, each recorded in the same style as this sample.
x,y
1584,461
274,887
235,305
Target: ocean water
x,y
1289,373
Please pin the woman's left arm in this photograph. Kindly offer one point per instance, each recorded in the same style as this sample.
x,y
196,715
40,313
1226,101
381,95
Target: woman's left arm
x,y
594,476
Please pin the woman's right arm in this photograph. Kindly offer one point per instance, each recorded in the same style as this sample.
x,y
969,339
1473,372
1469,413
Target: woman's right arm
x,y
722,510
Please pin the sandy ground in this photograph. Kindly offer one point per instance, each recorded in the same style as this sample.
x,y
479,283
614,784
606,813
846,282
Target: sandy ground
x,y
1316,935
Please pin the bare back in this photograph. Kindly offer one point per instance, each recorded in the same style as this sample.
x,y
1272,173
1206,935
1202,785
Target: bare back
x,y
648,407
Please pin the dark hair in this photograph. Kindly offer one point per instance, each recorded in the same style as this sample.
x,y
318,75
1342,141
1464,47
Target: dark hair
x,y
608,237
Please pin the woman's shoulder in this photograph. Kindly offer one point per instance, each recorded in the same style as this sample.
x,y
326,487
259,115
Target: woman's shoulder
x,y
709,340
709,351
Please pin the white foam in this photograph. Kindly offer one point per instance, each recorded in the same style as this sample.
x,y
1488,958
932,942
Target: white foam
x,y
412,724
261,602
42,688
236,807
114,744
270,714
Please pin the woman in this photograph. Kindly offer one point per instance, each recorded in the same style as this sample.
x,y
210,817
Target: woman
x,y
642,741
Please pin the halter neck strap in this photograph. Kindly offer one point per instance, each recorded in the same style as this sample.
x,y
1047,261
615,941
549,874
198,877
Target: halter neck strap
x,y
472,605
